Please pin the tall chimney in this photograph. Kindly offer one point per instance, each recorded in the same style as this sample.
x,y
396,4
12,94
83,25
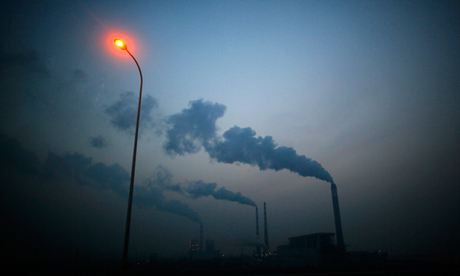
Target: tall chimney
x,y
258,247
257,223
337,218
201,237
265,227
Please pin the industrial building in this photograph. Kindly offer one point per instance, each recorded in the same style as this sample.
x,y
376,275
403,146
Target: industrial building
x,y
194,247
312,249
201,250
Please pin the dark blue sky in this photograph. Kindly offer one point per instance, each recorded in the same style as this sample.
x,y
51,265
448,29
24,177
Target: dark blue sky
x,y
369,89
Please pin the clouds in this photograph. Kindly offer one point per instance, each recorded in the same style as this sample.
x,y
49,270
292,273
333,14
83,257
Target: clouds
x,y
13,156
24,74
24,62
149,196
68,199
152,194
116,179
112,177
193,127
123,112
98,142
80,168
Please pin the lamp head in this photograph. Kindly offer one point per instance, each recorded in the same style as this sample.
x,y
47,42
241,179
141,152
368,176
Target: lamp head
x,y
120,44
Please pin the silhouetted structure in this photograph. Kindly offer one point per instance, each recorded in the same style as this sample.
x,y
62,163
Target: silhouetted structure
x,y
210,250
194,247
337,218
257,222
312,249
267,246
205,253
201,237
258,247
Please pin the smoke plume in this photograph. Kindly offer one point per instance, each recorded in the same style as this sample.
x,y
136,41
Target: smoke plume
x,y
195,128
202,189
152,196
116,179
122,113
241,145
162,179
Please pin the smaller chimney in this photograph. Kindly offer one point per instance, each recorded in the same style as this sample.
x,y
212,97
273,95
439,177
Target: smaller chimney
x,y
257,223
258,248
201,237
265,227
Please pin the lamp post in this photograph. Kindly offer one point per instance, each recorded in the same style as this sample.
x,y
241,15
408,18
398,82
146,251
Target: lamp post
x,y
122,45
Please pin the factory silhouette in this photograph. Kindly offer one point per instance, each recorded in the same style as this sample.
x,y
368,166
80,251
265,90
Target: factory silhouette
x,y
314,249
312,252
195,128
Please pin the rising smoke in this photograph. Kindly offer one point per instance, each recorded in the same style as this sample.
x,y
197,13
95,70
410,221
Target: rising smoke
x,y
122,112
84,171
202,189
195,128
152,196
243,146
196,189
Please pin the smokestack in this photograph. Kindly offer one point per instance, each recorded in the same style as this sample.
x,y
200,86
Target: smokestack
x,y
201,237
258,248
337,218
265,227
257,223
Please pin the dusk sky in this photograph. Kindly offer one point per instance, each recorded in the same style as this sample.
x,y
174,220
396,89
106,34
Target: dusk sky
x,y
370,90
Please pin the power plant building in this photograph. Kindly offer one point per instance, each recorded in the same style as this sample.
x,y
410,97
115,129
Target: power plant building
x,y
194,246
312,249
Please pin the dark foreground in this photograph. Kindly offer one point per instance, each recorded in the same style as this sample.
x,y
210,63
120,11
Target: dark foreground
x,y
240,266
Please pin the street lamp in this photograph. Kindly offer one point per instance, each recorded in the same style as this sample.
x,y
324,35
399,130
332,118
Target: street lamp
x,y
122,45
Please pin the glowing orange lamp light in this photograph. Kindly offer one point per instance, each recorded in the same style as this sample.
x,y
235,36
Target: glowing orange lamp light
x,y
120,44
